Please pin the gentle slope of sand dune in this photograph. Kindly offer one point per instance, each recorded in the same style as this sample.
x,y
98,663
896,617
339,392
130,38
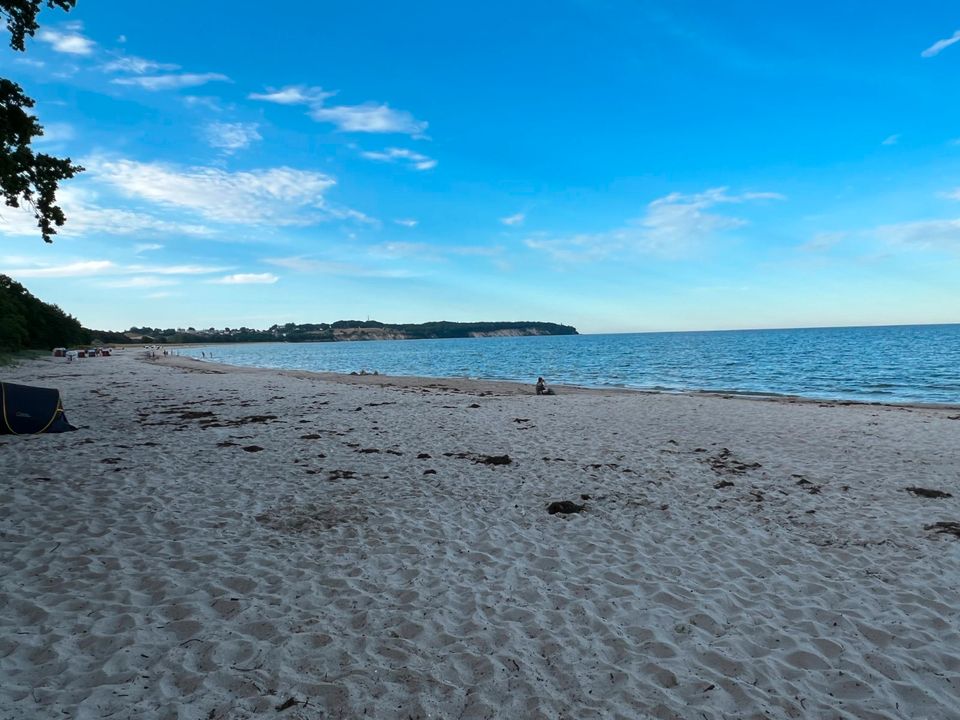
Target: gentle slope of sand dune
x,y
222,544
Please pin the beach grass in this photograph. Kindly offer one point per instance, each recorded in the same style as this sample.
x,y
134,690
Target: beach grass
x,y
12,359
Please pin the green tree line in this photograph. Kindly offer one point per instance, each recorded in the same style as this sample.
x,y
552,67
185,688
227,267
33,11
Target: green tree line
x,y
28,323
318,332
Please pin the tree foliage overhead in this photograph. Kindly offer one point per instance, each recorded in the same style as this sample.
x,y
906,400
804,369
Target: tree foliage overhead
x,y
21,16
27,176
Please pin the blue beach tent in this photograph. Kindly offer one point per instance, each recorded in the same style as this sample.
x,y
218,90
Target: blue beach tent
x,y
28,410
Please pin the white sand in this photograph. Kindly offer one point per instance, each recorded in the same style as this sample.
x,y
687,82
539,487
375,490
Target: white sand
x,y
154,568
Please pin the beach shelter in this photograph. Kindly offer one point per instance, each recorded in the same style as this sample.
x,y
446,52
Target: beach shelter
x,y
25,410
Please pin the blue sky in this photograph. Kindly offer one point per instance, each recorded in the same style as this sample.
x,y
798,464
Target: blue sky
x,y
617,166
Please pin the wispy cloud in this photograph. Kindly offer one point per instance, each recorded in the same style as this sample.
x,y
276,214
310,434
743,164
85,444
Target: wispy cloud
x,y
137,65
396,250
369,117
142,281
313,266
942,234
203,101
70,42
275,196
74,269
891,140
247,279
407,222
174,269
512,220
672,227
85,216
30,62
103,268
56,133
231,137
941,45
293,95
154,83
476,250
823,241
413,159
146,247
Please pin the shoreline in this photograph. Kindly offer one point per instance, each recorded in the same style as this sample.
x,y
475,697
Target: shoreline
x,y
514,387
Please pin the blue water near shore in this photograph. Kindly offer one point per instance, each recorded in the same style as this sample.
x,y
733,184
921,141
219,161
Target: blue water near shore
x,y
899,364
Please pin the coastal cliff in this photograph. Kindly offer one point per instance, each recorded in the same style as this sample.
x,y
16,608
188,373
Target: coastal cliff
x,y
339,331
395,333
353,330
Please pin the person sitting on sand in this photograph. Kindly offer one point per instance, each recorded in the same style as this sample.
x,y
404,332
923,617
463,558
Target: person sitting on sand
x,y
542,388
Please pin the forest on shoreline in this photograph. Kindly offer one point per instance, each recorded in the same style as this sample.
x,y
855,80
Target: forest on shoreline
x,y
28,323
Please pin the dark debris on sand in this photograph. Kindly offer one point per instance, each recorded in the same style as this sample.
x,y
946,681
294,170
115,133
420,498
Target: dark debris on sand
x,y
565,507
927,493
947,527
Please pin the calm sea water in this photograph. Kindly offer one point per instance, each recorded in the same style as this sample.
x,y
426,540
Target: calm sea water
x,y
908,363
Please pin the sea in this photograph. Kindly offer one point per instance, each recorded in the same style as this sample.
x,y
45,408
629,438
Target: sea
x,y
891,364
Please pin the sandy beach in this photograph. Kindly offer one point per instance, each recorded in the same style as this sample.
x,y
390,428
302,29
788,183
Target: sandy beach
x,y
230,543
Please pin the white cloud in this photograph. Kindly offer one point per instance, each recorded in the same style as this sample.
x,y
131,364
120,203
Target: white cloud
x,y
146,247
414,159
891,140
276,196
407,222
31,268
941,45
56,133
247,279
74,269
513,219
677,221
84,216
368,117
141,281
371,118
923,234
395,250
575,249
203,101
174,269
231,137
137,65
293,95
154,83
312,266
30,62
823,241
301,264
672,227
477,251
72,42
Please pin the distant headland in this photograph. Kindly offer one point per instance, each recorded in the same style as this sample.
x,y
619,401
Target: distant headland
x,y
339,331
28,323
